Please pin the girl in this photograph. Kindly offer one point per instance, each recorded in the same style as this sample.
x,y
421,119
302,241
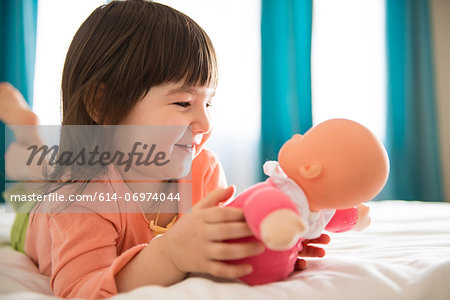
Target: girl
x,y
138,63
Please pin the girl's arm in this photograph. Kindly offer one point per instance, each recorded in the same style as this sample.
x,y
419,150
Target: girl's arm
x,y
150,266
84,257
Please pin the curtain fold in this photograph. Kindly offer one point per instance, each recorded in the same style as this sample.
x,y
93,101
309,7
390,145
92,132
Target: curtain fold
x,y
286,73
18,24
412,137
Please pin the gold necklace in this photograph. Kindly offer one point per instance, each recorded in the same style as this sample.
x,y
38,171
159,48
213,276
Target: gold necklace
x,y
155,228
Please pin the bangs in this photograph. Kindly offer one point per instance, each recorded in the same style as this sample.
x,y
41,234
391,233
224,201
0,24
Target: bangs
x,y
183,51
194,57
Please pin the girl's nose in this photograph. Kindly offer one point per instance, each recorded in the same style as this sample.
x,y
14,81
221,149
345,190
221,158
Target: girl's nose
x,y
201,123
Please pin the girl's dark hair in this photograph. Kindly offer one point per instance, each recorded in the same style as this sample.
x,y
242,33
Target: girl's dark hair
x,y
125,48
120,51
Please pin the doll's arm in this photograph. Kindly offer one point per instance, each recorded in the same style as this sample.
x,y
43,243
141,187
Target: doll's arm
x,y
343,220
356,218
273,218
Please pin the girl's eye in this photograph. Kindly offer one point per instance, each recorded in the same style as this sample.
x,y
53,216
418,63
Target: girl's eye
x,y
183,104
208,105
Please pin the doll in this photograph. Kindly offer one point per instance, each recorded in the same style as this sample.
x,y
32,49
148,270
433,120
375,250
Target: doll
x,y
320,181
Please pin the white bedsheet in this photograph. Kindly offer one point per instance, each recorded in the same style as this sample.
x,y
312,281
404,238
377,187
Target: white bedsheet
x,y
404,254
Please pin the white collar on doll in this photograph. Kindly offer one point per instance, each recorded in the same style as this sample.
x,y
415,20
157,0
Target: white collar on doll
x,y
315,220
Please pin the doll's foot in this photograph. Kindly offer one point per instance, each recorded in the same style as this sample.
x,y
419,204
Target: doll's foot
x,y
14,110
281,229
15,113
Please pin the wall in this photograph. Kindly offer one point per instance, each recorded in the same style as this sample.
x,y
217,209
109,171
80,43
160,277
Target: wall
x,y
440,13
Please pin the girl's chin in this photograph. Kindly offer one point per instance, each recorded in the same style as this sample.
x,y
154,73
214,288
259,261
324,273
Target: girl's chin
x,y
179,167
163,174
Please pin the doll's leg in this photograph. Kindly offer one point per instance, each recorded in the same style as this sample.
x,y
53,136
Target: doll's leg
x,y
273,218
15,111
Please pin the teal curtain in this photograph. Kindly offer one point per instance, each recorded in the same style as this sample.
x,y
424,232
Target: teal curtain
x,y
412,137
286,72
18,22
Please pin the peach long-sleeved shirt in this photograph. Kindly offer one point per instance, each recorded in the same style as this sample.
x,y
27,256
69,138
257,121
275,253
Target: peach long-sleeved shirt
x,y
82,252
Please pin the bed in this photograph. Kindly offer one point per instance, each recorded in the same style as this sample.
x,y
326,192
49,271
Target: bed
x,y
404,254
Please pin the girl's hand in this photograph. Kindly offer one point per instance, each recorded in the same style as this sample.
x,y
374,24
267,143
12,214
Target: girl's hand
x,y
311,251
195,242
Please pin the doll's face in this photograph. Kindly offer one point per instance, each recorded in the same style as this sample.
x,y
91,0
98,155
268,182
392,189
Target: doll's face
x,y
338,164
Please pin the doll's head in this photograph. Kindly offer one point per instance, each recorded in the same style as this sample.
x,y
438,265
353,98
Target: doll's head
x,y
338,163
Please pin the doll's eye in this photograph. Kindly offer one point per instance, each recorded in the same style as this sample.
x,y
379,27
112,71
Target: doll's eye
x,y
183,104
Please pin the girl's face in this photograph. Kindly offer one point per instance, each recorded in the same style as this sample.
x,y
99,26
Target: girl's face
x,y
177,119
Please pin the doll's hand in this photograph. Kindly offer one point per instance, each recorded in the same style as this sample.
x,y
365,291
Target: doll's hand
x,y
363,218
311,251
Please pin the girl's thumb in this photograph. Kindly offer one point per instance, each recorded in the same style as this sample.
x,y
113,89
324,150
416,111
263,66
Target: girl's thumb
x,y
216,196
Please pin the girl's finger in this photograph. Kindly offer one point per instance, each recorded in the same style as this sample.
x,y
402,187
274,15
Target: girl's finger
x,y
322,239
311,251
224,270
300,264
232,251
228,231
223,214
215,197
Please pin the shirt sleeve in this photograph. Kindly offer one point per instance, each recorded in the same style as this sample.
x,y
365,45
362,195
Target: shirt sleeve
x,y
84,255
207,175
216,177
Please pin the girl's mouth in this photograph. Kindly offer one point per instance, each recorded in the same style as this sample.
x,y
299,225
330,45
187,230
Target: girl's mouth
x,y
188,147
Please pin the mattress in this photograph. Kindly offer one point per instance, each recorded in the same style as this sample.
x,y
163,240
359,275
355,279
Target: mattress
x,y
403,254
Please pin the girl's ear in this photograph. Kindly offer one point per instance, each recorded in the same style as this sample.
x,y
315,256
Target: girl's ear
x,y
93,101
311,170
